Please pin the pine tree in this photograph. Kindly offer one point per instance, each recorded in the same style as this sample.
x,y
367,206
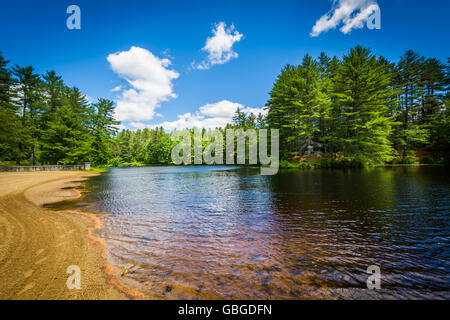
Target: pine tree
x,y
432,78
282,110
239,118
363,90
311,105
409,83
103,128
413,75
334,129
79,105
29,98
53,86
10,126
66,140
299,104
325,102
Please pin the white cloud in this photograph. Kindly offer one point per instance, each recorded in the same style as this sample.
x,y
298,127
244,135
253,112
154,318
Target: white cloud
x,y
150,83
208,116
120,127
116,89
352,13
220,46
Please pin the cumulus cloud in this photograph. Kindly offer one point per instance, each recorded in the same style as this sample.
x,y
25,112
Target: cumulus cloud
x,y
116,89
149,79
120,127
220,46
352,13
209,116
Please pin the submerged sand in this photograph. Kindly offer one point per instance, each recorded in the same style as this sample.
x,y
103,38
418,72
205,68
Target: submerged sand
x,y
38,245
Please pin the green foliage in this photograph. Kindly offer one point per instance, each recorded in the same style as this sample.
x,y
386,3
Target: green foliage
x,y
363,91
44,121
284,164
361,110
403,160
142,146
66,140
103,127
158,150
115,162
10,125
98,170
346,162
133,164
352,112
440,133
428,160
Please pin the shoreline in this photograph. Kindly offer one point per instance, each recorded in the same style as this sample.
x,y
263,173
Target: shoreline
x,y
281,167
37,245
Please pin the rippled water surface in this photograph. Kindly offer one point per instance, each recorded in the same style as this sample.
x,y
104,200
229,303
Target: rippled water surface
x,y
221,232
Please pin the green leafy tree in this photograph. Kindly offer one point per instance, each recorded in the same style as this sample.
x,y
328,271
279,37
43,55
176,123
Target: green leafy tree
x,y
432,82
159,148
282,111
300,105
66,140
29,100
104,126
364,92
10,126
53,87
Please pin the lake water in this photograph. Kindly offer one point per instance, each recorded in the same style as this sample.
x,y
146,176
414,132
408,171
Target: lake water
x,y
222,232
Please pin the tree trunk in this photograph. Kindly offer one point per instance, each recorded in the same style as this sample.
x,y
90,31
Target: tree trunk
x,y
405,124
19,146
32,157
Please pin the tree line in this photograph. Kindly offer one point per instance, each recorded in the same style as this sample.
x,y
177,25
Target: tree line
x,y
359,109
43,121
362,108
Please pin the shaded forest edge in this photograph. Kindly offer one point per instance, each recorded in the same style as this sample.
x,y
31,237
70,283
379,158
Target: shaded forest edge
x,y
352,112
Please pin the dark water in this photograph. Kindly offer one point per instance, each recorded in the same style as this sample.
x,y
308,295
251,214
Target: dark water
x,y
219,232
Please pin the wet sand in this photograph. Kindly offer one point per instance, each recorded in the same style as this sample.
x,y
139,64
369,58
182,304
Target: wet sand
x,y
38,245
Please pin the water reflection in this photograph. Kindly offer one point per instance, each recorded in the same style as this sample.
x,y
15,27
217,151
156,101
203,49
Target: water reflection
x,y
219,232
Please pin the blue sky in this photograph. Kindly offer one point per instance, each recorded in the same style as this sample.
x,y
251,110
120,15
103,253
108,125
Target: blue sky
x,y
266,36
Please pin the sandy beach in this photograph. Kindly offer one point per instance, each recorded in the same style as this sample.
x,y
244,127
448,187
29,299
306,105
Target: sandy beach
x,y
38,245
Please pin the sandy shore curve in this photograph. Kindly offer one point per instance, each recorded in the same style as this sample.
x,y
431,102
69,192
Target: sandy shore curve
x,y
38,245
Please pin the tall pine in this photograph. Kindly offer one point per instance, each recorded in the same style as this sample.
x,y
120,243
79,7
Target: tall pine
x,y
363,90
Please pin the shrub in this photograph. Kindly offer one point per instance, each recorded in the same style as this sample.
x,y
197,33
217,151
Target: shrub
x,y
115,162
428,160
403,160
